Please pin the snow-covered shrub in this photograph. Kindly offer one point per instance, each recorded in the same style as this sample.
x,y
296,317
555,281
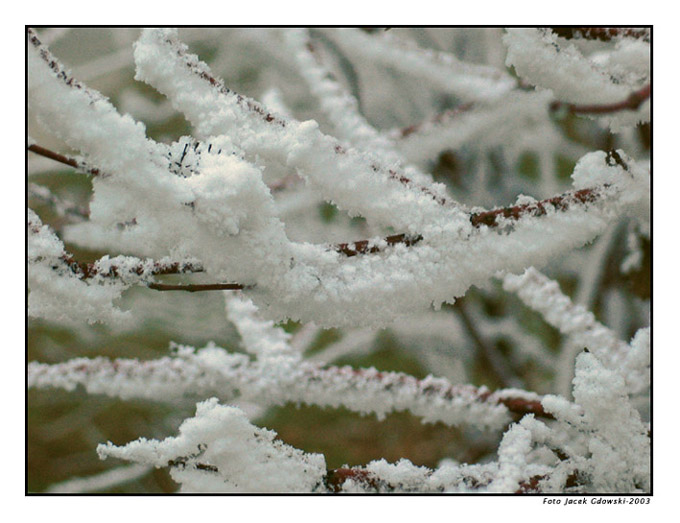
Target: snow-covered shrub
x,y
338,186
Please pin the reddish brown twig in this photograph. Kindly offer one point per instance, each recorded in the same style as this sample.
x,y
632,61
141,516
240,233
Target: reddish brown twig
x,y
66,160
335,478
603,34
532,485
515,404
632,103
562,202
90,270
191,287
367,247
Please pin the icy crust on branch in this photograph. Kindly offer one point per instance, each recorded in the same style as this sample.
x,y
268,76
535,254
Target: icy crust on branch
x,y
191,373
543,295
88,122
228,222
550,62
450,259
434,272
342,108
470,82
633,179
219,450
56,293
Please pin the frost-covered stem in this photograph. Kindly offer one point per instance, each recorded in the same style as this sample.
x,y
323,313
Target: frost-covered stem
x,y
147,267
544,296
603,34
163,61
562,202
83,167
489,218
631,103
212,371
341,107
493,218
58,69
367,247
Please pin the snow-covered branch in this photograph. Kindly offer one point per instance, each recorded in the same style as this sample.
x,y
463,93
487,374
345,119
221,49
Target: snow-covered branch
x,y
544,295
231,376
375,207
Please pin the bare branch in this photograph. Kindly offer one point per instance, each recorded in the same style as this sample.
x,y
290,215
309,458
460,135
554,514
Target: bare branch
x,y
197,287
632,103
66,160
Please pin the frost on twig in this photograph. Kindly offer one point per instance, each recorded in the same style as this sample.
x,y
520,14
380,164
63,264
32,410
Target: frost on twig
x,y
219,450
544,59
54,284
277,376
231,376
596,445
544,295
468,81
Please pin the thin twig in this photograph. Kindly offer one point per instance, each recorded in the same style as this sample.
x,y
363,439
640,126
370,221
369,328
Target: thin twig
x,y
632,103
603,34
66,160
562,202
90,270
191,287
367,247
